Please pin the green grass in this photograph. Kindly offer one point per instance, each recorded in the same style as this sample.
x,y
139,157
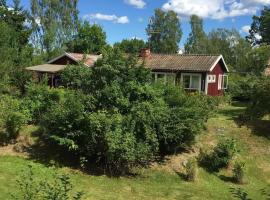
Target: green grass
x,y
160,184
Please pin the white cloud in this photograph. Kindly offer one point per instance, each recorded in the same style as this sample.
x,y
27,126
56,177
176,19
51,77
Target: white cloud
x,y
113,18
123,20
137,3
215,9
245,29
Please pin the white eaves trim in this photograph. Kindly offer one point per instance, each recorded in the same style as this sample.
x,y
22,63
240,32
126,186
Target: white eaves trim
x,y
219,58
63,55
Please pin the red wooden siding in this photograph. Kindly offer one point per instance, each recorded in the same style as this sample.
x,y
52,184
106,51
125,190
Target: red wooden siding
x,y
213,87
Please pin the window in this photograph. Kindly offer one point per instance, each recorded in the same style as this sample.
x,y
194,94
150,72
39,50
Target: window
x,y
211,78
164,77
191,81
222,82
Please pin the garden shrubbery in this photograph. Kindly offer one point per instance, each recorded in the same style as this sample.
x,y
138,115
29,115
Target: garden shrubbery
x,y
220,156
54,186
241,86
12,116
118,118
260,99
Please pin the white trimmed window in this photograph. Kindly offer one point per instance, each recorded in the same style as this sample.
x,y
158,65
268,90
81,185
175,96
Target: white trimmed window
x,y
191,81
222,82
164,77
211,78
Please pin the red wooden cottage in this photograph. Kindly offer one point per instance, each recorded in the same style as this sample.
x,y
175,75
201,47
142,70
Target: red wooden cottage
x,y
203,73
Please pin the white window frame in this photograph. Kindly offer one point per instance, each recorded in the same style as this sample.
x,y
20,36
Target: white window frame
x,y
192,74
211,78
221,79
165,76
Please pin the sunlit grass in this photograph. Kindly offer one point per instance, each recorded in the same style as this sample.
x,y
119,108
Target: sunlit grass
x,y
158,184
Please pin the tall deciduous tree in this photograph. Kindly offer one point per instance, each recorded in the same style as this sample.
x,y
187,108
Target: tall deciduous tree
x,y
89,39
231,45
197,40
54,22
260,28
130,46
164,32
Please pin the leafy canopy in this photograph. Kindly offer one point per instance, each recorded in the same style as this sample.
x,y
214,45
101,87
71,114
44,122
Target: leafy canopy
x,y
164,32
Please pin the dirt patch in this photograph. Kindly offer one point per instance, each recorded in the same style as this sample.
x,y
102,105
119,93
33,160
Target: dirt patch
x,y
19,148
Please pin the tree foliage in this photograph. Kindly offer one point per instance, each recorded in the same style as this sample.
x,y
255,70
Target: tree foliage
x,y
132,46
260,29
164,32
90,39
54,23
259,106
197,40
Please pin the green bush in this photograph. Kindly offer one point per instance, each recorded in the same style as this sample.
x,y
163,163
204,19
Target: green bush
x,y
220,156
120,119
12,117
191,170
239,172
260,99
39,98
58,187
241,86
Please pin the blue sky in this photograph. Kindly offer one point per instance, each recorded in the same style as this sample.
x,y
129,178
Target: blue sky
x,y
125,19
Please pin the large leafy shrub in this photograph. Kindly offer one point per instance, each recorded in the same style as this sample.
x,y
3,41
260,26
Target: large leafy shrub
x,y
12,116
240,87
117,117
39,98
260,98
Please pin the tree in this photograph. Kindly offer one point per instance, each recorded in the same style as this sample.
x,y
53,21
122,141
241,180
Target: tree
x,y
164,32
197,40
231,45
132,46
257,59
260,29
15,52
89,39
54,23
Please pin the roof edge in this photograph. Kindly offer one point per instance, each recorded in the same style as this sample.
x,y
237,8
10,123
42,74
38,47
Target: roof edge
x,y
216,62
69,56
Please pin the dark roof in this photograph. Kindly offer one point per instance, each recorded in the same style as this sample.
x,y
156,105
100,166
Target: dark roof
x,y
47,68
184,62
87,59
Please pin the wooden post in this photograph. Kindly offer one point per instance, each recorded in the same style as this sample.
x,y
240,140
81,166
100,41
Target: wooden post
x,y
52,81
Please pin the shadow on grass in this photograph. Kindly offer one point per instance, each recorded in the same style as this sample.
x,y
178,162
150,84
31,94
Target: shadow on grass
x,y
239,194
181,175
234,111
266,193
237,112
226,178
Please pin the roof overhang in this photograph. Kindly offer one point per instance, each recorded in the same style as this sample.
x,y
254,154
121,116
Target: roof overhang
x,y
47,68
216,62
67,55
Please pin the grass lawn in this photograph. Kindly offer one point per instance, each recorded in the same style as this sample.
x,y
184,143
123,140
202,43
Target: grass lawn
x,y
163,183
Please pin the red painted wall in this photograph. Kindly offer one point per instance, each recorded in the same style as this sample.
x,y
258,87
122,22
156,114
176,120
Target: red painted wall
x,y
64,61
213,87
